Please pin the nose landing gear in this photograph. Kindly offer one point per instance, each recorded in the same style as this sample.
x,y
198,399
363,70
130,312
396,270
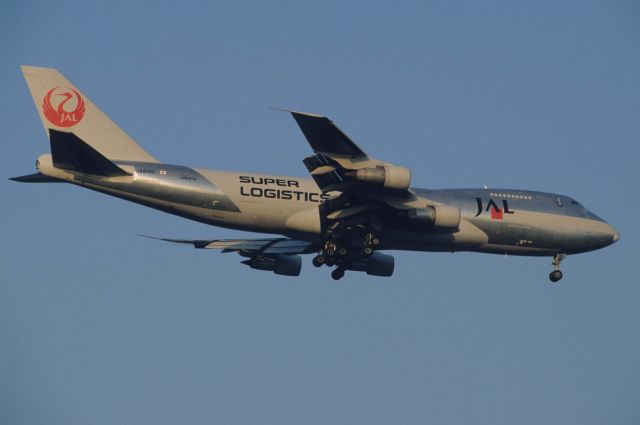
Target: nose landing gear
x,y
556,275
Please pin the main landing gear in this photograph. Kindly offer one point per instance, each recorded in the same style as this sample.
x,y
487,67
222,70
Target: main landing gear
x,y
337,273
371,241
340,253
331,260
556,275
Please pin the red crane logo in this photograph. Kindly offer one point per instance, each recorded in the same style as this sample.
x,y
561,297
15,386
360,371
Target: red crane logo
x,y
63,107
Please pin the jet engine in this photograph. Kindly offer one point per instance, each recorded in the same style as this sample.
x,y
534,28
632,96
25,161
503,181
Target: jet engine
x,y
389,176
377,264
286,265
440,216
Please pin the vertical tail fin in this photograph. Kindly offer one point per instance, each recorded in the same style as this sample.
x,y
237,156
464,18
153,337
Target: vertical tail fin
x,y
62,107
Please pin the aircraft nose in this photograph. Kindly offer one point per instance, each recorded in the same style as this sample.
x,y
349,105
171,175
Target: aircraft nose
x,y
615,235
603,234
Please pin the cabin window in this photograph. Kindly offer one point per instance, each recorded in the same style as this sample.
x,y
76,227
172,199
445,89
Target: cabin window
x,y
559,201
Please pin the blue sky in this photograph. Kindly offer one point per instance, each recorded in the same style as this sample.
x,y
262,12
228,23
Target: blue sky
x,y
99,326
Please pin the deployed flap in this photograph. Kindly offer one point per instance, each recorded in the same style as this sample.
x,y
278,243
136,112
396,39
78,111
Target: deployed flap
x,y
324,136
282,246
69,152
361,185
264,246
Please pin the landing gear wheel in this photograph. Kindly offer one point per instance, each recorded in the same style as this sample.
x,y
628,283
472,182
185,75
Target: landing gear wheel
x,y
367,250
330,251
555,276
318,261
342,252
375,241
330,261
337,273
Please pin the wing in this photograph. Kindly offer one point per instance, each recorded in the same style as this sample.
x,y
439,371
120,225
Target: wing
x,y
370,191
324,136
339,164
279,255
248,247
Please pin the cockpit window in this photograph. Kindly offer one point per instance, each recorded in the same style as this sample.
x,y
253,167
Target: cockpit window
x,y
559,201
591,215
585,212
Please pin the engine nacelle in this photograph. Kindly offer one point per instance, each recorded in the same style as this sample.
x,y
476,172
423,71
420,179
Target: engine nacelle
x,y
377,264
389,176
440,216
286,265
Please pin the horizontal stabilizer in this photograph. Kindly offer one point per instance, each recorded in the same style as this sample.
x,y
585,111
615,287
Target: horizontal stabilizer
x,y
69,152
35,178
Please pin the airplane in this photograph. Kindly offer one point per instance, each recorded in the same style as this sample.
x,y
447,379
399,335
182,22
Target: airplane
x,y
353,208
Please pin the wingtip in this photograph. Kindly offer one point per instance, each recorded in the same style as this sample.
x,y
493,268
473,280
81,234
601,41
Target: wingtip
x,y
149,237
275,108
294,112
181,241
